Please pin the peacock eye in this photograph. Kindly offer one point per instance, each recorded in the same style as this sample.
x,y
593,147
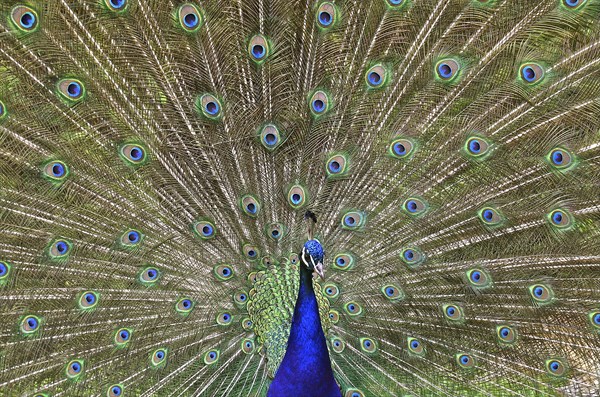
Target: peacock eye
x,y
116,5
131,238
541,294
4,271
453,313
30,324
560,159
490,216
115,391
412,257
122,336
250,205
210,106
270,137
326,15
206,230
158,357
88,300
376,76
184,306
506,334
414,206
368,345
319,103
465,361
74,368
573,4
248,346
401,148
447,69
60,249
211,357
24,18
337,165
478,278
133,154
258,48
531,73
556,367
190,17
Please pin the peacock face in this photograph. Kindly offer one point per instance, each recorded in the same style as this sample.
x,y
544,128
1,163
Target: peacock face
x,y
312,256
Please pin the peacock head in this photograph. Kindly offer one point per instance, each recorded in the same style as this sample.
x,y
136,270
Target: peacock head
x,y
312,257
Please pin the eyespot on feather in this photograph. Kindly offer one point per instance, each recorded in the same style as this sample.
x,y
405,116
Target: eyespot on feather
x,y
531,73
392,292
465,361
368,345
250,205
116,5
270,137
251,252
223,272
209,106
376,77
248,346
133,154
414,206
447,69
556,367
319,103
211,357
506,334
24,18
541,294
258,48
158,358
401,148
149,276
115,391
88,300
415,346
337,344
453,312
184,306
353,220
122,337
353,308
205,229
72,90
60,249
477,147
490,216
30,325
190,17
297,196
327,15
412,257
74,369
55,171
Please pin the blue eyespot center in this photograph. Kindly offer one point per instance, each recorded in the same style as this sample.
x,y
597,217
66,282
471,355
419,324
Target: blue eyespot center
x,y
90,298
133,237
251,253
504,332
117,3
32,323
445,70
136,153
538,291
226,271
74,89
341,261
325,18
528,73
124,335
367,344
334,166
350,221
275,233
318,105
390,291
207,230
212,355
414,344
399,149
412,206
554,366
58,170
474,146
451,311
488,215
557,157
76,367
557,217
464,359
27,20
409,255
186,303
296,198
3,269
61,247
270,139
597,319
212,108
476,276
258,51
251,208
116,390
190,20
226,317
351,307
242,297
160,355
374,78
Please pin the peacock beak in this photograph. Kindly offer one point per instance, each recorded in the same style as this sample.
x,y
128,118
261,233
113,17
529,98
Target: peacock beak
x,y
320,271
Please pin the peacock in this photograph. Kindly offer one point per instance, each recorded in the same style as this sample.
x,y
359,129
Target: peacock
x,y
299,198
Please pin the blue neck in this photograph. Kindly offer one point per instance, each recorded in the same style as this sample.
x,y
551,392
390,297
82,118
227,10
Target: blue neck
x,y
305,369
